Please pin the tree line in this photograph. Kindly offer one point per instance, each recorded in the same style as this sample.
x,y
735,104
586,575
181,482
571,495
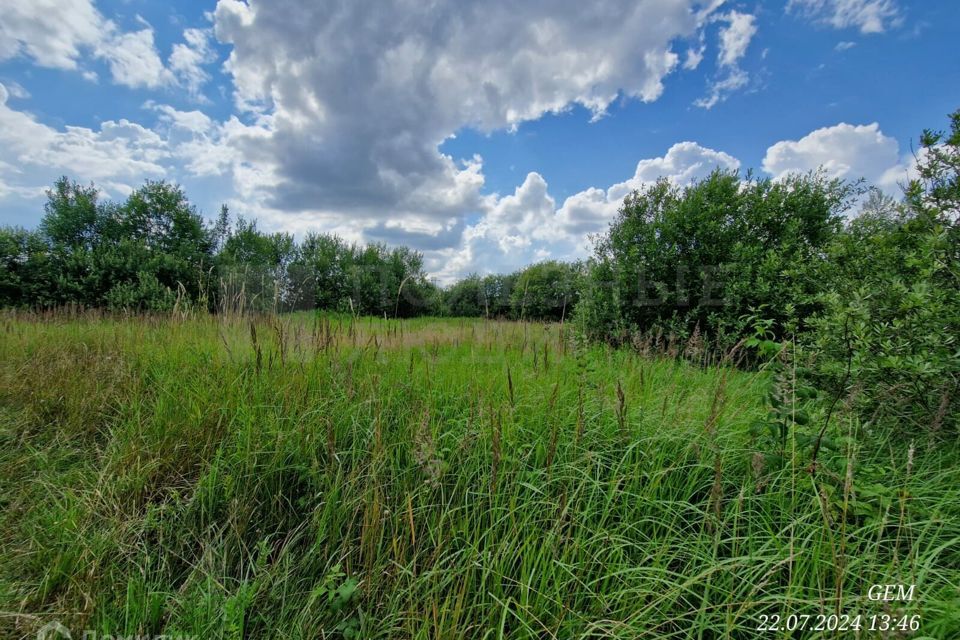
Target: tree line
x,y
154,252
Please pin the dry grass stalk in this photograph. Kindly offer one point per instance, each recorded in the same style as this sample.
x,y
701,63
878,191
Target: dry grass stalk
x,y
580,415
716,406
425,452
716,491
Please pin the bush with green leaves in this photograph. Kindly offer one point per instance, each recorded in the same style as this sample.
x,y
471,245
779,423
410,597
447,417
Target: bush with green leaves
x,y
887,340
154,252
546,290
367,280
143,254
26,275
705,256
465,298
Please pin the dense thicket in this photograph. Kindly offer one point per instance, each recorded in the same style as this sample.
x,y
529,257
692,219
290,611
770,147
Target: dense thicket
x,y
712,255
141,254
546,290
865,305
886,337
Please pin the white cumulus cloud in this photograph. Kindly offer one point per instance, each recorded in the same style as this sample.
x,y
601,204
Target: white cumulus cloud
x,y
736,37
63,34
188,59
354,100
527,225
115,154
52,32
133,59
844,151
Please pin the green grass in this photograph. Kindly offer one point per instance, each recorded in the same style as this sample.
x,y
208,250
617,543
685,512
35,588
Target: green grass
x,y
318,477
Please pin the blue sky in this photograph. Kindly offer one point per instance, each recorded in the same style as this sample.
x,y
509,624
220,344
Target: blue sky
x,y
485,135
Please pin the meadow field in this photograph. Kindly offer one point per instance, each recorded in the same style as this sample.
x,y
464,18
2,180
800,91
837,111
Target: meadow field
x,y
323,476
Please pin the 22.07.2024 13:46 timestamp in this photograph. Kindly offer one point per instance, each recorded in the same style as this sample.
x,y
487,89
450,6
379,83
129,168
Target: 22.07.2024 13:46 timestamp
x,y
841,622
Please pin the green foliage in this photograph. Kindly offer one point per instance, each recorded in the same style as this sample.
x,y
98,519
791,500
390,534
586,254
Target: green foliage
x,y
159,232
937,188
546,290
475,296
786,431
142,254
709,254
887,337
543,291
255,263
873,302
245,245
73,216
497,291
154,251
340,594
146,294
365,280
465,298
597,313
26,275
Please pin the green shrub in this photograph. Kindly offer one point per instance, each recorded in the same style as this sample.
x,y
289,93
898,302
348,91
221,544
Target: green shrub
x,y
708,255
886,340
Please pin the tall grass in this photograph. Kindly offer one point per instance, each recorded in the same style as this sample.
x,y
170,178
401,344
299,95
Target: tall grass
x,y
325,476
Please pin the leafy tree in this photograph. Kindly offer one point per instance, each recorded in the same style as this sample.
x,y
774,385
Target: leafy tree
x,y
256,264
465,298
72,217
496,292
160,215
545,291
886,339
221,229
475,296
415,295
72,225
369,281
156,235
372,279
144,253
26,274
714,253
327,259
